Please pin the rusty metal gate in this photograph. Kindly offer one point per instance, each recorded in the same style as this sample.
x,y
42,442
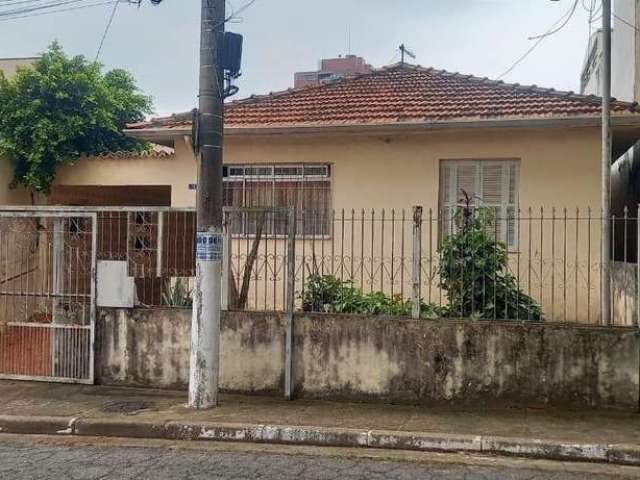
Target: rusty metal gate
x,y
47,295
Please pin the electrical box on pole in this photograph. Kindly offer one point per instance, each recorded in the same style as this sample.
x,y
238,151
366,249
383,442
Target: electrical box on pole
x,y
232,54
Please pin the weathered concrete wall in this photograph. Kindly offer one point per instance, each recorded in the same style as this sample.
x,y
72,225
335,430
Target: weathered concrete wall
x,y
150,347
466,362
383,359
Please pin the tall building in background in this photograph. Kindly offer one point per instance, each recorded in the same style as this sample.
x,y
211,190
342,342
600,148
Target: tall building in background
x,y
625,55
331,69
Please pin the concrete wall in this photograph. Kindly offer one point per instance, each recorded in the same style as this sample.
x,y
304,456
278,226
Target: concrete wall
x,y
150,347
383,359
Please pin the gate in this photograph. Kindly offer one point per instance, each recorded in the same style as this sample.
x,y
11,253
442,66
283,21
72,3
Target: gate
x,y
47,295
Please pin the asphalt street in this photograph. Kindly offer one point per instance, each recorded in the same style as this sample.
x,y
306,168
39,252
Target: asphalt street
x,y
23,460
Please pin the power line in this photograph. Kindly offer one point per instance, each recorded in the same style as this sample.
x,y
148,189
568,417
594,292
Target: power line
x,y
36,7
234,13
564,20
106,30
562,25
29,8
10,3
61,10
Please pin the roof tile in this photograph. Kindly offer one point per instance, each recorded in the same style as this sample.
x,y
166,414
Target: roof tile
x,y
400,94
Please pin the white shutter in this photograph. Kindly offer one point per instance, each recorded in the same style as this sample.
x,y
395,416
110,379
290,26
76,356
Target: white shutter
x,y
493,182
447,197
512,202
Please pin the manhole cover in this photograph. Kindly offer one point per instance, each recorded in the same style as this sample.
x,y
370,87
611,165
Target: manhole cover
x,y
125,407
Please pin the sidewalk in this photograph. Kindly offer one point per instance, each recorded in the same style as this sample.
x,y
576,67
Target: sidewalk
x,y
40,408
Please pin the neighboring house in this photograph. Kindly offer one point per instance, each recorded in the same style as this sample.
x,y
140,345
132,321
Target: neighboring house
x,y
123,178
625,55
9,66
332,69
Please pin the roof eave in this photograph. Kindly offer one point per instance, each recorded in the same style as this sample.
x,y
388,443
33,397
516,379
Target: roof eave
x,y
164,135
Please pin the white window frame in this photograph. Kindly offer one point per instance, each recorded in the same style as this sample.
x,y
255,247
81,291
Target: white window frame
x,y
237,173
503,207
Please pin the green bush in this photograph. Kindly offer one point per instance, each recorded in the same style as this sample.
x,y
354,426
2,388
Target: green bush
x,y
474,272
328,294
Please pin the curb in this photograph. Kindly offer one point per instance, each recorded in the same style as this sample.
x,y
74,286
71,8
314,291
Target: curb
x,y
324,437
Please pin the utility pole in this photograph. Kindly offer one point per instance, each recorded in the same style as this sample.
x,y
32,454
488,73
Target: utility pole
x,y
605,270
205,324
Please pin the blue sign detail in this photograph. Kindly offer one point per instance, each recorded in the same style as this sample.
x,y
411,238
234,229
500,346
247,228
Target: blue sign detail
x,y
209,246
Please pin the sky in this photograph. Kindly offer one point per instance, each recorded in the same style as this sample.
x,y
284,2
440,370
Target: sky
x,y
159,44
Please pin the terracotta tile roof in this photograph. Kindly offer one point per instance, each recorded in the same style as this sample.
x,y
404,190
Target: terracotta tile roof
x,y
401,94
155,151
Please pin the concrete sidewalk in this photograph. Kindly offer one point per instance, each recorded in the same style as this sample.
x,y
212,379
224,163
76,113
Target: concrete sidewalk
x,y
595,435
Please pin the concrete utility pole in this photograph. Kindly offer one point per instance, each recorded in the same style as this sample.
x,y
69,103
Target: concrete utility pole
x,y
605,270
205,324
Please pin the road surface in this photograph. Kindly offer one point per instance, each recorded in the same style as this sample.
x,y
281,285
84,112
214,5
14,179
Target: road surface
x,y
44,459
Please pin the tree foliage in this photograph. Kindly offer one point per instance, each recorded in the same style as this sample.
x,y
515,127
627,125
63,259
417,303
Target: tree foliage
x,y
62,108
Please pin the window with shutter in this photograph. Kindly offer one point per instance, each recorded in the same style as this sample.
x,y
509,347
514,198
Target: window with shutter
x,y
489,183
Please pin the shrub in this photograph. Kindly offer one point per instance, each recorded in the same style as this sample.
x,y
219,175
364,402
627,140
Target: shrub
x,y
474,272
328,294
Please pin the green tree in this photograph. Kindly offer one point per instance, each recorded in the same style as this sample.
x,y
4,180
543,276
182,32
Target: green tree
x,y
475,274
62,108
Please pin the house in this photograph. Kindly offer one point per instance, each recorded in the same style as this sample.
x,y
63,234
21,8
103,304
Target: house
x,y
357,149
391,138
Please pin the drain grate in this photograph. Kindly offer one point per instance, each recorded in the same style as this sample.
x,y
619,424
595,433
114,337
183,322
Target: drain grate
x,y
125,406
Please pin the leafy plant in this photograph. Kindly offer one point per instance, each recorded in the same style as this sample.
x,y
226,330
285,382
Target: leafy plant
x,y
62,108
328,294
177,295
474,271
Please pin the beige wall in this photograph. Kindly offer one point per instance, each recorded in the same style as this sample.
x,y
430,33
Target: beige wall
x,y
178,171
559,167
10,196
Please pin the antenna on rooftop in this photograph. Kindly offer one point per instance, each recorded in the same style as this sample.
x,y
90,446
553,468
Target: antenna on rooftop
x,y
405,51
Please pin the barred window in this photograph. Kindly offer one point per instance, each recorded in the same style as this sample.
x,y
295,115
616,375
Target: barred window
x,y
489,183
307,187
